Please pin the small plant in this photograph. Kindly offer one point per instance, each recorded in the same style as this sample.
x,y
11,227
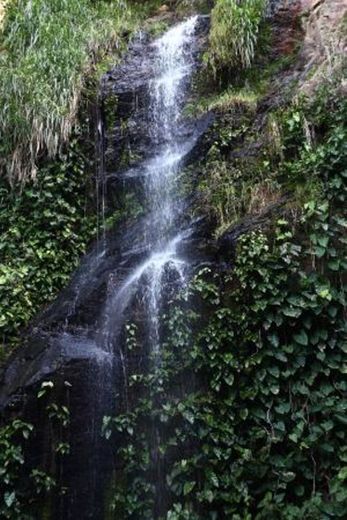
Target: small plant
x,y
227,100
234,33
12,438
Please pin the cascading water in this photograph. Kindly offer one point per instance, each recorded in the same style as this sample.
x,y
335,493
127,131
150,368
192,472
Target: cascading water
x,y
128,275
163,231
173,65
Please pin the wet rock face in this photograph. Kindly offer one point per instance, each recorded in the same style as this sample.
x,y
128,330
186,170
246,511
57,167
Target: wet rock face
x,y
128,87
274,6
125,92
81,386
286,29
62,346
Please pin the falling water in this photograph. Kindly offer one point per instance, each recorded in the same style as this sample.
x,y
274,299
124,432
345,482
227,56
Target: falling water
x,y
139,263
100,187
173,65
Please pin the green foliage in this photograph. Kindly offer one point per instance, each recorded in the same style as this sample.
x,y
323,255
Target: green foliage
x,y
234,33
249,166
157,27
262,431
11,461
224,102
48,47
315,133
23,487
268,426
44,231
243,185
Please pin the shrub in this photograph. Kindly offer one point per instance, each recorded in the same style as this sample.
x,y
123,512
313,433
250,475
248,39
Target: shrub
x,y
46,50
234,33
44,231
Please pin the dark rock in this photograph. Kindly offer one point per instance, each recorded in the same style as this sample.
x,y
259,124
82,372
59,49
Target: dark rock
x,y
63,343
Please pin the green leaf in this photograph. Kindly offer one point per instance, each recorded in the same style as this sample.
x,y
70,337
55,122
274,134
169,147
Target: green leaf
x,y
342,475
299,491
292,312
188,487
334,265
214,479
244,413
229,379
325,293
332,311
341,418
209,495
301,338
320,251
296,300
274,371
10,498
273,338
283,408
323,240
288,476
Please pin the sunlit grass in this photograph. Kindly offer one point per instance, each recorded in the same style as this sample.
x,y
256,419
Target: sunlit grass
x,y
234,33
2,10
225,101
229,99
47,48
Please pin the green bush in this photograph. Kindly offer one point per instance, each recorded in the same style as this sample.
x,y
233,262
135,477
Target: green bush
x,y
234,33
44,231
262,432
47,49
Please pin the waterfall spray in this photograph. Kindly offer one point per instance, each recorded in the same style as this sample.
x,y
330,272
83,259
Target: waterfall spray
x,y
173,65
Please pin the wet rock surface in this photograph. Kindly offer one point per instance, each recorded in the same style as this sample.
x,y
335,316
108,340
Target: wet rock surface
x,y
77,312
62,346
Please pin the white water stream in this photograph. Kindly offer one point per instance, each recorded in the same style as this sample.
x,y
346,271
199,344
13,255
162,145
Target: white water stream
x,y
145,269
173,65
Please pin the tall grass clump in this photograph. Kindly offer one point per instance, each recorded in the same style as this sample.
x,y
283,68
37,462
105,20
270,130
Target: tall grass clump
x,y
234,33
47,48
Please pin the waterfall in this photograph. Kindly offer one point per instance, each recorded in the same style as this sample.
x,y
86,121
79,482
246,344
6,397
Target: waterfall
x,y
128,275
163,233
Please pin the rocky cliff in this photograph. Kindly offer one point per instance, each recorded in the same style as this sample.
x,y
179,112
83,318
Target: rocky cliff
x,y
248,407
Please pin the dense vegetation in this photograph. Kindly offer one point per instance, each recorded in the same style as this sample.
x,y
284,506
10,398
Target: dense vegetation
x,y
263,432
49,59
47,50
44,231
234,33
260,429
